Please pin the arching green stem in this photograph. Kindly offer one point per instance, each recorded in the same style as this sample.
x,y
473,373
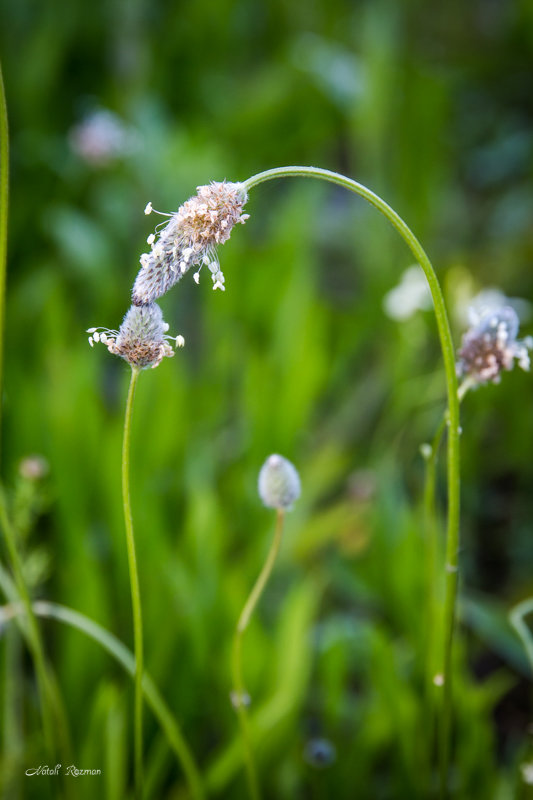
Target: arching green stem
x,y
123,656
135,589
453,466
54,718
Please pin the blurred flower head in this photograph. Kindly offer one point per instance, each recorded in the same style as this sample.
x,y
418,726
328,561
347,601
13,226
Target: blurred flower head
x,y
102,137
410,295
141,339
490,345
190,238
34,468
279,483
489,298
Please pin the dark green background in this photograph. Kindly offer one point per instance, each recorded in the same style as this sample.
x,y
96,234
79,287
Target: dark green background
x,y
430,106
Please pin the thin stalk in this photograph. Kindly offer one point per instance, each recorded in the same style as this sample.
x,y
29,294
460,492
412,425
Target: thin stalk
x,y
239,694
135,589
52,710
4,200
432,547
453,465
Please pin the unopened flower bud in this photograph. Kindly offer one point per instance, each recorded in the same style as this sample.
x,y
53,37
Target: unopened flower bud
x,y
279,483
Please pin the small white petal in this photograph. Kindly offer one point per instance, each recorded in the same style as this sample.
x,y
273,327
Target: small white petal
x,y
180,341
219,285
166,326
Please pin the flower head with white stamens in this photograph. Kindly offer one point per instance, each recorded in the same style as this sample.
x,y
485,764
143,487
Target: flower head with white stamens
x,y
490,345
142,338
190,239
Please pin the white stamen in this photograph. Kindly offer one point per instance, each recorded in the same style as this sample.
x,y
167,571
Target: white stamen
x,y
91,330
196,277
180,341
148,209
151,238
96,336
91,341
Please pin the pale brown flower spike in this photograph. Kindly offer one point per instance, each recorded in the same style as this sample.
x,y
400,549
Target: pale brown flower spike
x,y
190,238
141,340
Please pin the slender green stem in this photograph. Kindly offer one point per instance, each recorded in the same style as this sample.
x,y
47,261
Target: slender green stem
x,y
431,543
516,618
453,465
123,656
52,709
239,695
4,199
135,589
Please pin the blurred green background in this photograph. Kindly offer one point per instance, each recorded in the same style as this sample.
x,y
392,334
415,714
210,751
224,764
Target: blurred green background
x,y
116,103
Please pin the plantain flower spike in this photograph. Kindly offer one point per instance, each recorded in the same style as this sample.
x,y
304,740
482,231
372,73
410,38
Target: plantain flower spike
x,y
490,346
142,338
279,483
190,238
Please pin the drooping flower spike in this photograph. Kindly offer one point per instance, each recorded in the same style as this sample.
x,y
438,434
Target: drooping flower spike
x,y
142,338
490,346
190,238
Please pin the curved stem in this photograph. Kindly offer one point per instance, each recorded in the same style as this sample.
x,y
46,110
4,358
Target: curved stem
x,y
135,589
4,200
453,466
123,656
239,696
52,710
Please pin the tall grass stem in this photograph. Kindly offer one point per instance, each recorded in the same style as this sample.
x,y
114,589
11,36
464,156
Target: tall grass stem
x,y
239,691
135,590
4,203
453,463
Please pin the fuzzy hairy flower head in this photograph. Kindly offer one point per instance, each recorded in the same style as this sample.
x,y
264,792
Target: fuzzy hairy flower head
x,y
279,483
490,345
141,339
190,238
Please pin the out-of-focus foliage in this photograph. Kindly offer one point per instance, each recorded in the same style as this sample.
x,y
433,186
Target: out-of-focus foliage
x,y
117,103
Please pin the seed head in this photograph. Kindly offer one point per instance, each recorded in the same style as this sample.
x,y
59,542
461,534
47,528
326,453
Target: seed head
x,y
190,238
490,345
141,339
279,483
